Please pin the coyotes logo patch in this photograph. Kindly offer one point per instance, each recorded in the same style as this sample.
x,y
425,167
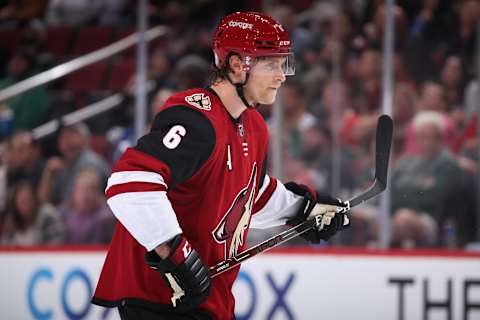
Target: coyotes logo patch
x,y
200,101
231,229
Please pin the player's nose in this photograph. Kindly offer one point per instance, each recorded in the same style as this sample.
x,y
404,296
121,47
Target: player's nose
x,y
280,76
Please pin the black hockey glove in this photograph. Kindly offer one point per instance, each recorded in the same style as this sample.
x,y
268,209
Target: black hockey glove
x,y
184,272
325,205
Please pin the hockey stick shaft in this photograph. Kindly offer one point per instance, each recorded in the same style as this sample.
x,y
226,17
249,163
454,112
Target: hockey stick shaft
x,y
382,153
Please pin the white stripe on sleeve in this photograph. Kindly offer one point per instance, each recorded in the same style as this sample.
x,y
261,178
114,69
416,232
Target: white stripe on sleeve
x,y
134,176
282,206
148,216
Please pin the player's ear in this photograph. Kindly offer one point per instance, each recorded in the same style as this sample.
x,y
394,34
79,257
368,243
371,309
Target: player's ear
x,y
236,65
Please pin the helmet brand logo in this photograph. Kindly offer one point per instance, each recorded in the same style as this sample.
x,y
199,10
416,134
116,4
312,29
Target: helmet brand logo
x,y
239,24
279,26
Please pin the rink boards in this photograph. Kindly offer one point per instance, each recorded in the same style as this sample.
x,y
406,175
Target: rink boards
x,y
296,283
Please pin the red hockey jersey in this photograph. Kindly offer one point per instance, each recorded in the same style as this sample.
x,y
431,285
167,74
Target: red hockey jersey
x,y
210,167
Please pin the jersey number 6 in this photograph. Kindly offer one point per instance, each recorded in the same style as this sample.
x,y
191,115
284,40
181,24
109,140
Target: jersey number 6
x,y
174,136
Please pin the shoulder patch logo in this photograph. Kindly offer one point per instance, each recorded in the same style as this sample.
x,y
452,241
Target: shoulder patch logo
x,y
200,101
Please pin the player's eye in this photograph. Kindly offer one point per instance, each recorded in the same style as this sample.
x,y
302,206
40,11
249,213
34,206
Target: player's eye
x,y
272,66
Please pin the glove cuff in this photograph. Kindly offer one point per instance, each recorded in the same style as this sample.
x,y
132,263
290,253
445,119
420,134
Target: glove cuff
x,y
301,190
180,249
308,202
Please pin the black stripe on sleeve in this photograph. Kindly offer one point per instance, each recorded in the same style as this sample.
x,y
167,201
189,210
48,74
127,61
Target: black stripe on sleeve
x,y
182,138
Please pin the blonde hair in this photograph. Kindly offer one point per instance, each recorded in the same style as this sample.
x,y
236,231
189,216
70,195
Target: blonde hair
x,y
89,174
424,118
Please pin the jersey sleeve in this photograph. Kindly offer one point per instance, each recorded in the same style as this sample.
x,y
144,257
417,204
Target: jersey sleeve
x,y
274,205
182,138
180,142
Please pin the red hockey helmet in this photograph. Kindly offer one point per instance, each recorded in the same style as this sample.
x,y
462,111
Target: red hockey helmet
x,y
251,35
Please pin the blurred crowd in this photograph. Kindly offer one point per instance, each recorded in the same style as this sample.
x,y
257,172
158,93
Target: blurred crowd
x,y
51,189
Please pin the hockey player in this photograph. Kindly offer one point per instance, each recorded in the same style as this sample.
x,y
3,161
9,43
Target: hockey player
x,y
187,193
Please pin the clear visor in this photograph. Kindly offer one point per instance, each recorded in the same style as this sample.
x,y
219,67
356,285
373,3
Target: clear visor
x,y
280,64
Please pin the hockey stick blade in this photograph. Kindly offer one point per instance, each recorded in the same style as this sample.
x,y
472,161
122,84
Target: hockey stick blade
x,y
383,142
382,148
382,154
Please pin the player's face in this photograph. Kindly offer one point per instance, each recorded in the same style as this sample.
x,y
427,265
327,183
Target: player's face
x,y
266,76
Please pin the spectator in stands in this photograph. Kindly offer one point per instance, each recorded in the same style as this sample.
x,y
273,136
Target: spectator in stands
x,y
301,37
191,71
30,108
334,102
57,178
432,98
451,78
463,37
427,186
468,162
296,169
373,30
363,95
453,82
296,118
32,41
78,13
87,217
121,138
404,108
159,67
468,142
30,223
413,229
112,12
401,70
23,158
158,100
355,129
22,10
368,85
429,36
158,75
317,153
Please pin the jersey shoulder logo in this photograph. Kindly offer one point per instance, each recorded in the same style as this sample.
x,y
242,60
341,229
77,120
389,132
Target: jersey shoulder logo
x,y
231,229
200,101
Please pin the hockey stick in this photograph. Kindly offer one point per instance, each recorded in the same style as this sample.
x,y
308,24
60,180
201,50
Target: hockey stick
x,y
382,154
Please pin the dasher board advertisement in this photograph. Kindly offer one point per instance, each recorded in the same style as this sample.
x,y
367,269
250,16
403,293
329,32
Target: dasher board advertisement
x,y
300,283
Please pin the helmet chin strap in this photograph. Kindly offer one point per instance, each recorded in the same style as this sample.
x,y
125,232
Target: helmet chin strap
x,y
240,91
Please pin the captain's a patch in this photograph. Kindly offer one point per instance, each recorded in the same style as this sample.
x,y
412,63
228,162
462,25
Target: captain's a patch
x,y
200,101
